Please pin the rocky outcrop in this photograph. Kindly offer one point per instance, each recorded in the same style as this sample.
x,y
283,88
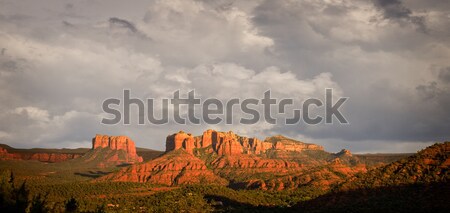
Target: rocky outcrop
x,y
286,144
51,157
344,152
180,140
228,143
254,162
206,138
258,146
118,143
5,155
177,167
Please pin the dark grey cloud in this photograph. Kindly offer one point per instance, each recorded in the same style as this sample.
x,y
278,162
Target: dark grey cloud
x,y
67,24
119,23
386,102
444,75
396,10
122,23
393,8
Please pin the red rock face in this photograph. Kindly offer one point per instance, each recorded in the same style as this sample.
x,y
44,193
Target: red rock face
x,y
180,140
174,168
259,146
228,143
117,143
5,155
286,144
100,141
254,162
206,138
53,157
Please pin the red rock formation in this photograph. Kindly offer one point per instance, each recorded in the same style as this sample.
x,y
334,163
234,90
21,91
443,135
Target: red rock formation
x,y
286,144
226,143
100,141
253,162
38,156
241,160
5,155
180,140
52,157
117,143
207,138
260,146
174,168
344,152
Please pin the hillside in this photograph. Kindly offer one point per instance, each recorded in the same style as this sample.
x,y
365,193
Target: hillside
x,y
174,168
418,183
429,165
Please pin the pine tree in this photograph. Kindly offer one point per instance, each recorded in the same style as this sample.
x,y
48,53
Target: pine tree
x,y
72,205
38,204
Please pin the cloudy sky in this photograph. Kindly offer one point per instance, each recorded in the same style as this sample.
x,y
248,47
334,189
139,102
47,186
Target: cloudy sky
x,y
60,59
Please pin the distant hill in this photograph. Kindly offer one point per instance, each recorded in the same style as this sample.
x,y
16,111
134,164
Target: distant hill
x,y
429,165
148,154
58,155
45,150
377,159
42,155
418,183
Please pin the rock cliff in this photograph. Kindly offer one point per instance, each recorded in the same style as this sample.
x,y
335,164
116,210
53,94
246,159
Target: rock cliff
x,y
286,144
228,143
117,143
180,140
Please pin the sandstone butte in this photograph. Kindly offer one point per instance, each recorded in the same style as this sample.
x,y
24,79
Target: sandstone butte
x,y
38,156
228,143
226,158
114,145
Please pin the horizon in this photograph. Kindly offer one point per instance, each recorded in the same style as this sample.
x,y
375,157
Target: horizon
x,y
163,150
386,63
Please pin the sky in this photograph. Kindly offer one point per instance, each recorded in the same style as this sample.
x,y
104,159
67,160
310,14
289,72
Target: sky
x,y
61,59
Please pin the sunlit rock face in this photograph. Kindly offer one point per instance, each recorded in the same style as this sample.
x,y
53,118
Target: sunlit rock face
x,y
117,143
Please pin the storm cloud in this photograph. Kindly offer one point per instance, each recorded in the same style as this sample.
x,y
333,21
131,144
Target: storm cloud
x,y
60,59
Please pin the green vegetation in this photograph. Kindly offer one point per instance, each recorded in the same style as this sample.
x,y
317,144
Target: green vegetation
x,y
416,183
433,197
124,197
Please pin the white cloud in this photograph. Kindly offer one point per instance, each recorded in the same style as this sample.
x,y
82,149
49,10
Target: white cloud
x,y
33,113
